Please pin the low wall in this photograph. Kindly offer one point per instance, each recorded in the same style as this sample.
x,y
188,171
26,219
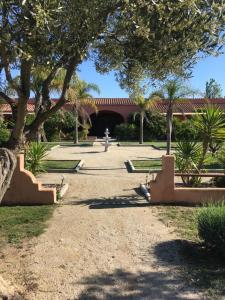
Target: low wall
x,y
26,190
163,189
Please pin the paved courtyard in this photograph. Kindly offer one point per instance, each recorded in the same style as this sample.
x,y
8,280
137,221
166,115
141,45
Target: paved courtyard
x,y
104,241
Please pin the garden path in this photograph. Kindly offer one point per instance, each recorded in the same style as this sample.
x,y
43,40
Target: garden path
x,y
105,241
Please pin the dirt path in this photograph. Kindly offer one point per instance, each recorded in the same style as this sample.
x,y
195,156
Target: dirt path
x,y
105,242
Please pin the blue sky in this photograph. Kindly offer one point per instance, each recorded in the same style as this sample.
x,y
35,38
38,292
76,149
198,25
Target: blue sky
x,y
210,67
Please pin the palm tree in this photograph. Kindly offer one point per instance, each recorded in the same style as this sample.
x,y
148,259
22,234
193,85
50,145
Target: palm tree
x,y
79,95
210,125
172,91
144,105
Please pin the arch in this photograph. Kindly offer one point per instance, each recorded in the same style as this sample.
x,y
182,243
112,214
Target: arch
x,y
105,119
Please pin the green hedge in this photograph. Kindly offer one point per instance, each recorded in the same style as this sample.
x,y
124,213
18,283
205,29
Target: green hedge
x,y
211,227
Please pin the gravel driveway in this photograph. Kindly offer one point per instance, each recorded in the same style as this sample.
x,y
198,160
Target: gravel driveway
x,y
105,241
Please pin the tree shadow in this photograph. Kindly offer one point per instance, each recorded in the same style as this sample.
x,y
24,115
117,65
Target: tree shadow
x,y
124,285
200,265
112,202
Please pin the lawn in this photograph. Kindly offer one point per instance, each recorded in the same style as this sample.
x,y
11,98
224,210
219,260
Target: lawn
x,y
20,222
157,164
161,145
134,143
60,164
202,267
49,145
147,164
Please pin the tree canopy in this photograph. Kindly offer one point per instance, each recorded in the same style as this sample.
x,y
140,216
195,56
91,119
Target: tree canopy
x,y
153,39
137,38
213,89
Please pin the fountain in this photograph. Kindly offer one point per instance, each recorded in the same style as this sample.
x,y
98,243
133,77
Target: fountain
x,y
107,139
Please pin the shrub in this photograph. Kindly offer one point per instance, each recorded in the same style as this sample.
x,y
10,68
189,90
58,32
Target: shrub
x,y
183,130
211,227
4,131
126,132
35,154
154,129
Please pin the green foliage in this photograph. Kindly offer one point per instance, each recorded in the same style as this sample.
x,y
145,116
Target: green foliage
x,y
34,156
211,225
18,223
4,131
126,132
220,181
213,89
187,156
154,128
183,130
60,123
210,126
153,39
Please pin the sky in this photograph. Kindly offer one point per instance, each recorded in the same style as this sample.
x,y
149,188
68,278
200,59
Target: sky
x,y
210,67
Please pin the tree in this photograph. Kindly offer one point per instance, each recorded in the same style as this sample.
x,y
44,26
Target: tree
x,y
7,166
172,91
213,89
154,39
39,34
136,37
143,105
79,95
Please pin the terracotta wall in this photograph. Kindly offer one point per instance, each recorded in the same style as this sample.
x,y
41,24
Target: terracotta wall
x,y
26,190
163,189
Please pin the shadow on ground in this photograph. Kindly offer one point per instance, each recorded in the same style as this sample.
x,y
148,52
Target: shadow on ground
x,y
112,202
124,285
203,267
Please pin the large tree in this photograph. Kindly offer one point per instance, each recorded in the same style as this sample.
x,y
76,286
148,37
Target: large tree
x,y
136,37
36,34
154,39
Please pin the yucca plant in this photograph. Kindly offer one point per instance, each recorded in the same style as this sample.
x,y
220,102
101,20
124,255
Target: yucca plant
x,y
34,156
187,157
210,125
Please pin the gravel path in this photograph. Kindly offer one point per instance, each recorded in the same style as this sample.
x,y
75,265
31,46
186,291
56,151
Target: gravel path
x,y
105,241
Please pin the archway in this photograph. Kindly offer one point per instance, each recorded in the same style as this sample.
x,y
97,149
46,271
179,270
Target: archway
x,y
105,119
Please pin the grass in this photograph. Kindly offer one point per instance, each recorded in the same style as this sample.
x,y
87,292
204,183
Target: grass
x,y
147,164
49,145
201,266
60,164
21,222
157,164
183,219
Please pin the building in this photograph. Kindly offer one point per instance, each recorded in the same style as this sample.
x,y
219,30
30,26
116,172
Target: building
x,y
114,111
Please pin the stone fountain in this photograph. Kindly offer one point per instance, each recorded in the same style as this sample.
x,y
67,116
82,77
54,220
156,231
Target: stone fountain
x,y
106,138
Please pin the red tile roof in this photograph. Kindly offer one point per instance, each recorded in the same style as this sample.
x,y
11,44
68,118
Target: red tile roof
x,y
186,106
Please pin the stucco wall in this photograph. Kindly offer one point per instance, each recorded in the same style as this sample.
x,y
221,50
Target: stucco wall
x,y
26,190
163,189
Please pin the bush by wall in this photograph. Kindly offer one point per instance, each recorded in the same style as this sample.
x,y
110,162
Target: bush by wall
x,y
126,132
154,129
211,227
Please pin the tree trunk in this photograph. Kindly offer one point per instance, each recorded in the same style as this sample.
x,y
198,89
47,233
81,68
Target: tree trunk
x,y
76,138
169,125
7,167
141,140
17,138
